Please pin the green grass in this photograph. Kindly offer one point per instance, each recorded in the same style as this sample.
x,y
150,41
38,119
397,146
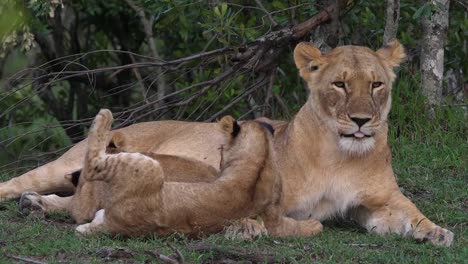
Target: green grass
x,y
433,174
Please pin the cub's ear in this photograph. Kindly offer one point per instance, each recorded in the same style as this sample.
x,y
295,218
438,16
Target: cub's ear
x,y
393,53
229,125
307,58
117,142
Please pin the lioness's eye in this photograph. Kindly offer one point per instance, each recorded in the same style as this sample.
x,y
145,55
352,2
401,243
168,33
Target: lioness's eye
x,y
376,84
339,84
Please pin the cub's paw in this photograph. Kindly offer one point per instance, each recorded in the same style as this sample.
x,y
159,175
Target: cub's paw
x,y
246,229
438,236
31,203
84,229
103,120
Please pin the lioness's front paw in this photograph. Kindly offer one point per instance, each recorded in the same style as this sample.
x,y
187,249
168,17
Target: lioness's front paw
x,y
438,236
309,228
8,192
30,202
246,229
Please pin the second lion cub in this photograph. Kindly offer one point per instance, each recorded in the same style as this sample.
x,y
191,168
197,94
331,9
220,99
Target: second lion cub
x,y
140,202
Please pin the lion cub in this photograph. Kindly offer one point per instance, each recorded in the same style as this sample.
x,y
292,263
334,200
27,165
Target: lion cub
x,y
90,196
138,200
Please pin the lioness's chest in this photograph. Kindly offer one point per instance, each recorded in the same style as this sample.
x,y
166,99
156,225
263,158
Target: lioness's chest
x,y
324,195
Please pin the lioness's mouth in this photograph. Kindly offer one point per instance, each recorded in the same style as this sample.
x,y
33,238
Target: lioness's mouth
x,y
357,135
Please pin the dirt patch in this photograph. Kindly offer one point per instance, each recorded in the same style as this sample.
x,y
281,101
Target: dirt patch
x,y
233,255
112,254
416,193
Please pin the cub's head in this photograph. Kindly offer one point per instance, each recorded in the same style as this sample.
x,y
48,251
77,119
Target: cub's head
x,y
116,145
247,141
350,90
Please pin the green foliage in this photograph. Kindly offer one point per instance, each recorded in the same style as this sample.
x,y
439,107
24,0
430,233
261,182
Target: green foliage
x,y
409,115
29,130
13,16
14,30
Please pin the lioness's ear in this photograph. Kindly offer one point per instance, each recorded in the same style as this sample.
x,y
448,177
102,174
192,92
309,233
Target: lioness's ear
x,y
393,53
229,125
307,58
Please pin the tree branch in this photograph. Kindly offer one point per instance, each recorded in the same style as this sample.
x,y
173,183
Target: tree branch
x,y
260,5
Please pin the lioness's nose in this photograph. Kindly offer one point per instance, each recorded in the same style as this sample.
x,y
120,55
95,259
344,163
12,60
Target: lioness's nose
x,y
360,121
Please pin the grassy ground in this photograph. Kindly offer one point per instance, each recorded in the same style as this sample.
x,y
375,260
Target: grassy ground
x,y
433,175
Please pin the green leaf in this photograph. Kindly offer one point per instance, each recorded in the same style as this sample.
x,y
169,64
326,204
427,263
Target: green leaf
x,y
217,12
420,11
440,5
223,9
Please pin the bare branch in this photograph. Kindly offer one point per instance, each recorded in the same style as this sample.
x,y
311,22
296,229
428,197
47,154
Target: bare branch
x,y
23,259
305,27
248,91
282,104
260,5
269,92
177,259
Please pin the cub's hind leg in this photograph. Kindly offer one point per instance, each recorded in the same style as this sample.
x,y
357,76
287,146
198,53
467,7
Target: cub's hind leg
x,y
288,227
98,138
96,226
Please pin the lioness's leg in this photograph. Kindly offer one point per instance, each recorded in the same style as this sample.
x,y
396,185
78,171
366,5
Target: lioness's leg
x,y
246,228
47,178
289,227
32,201
399,215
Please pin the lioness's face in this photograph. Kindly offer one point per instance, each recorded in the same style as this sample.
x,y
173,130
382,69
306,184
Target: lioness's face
x,y
350,90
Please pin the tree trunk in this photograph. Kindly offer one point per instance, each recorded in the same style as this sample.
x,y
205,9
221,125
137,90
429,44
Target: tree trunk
x,y
329,35
435,29
391,20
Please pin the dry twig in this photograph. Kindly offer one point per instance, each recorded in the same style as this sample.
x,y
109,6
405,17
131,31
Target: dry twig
x,y
177,259
27,260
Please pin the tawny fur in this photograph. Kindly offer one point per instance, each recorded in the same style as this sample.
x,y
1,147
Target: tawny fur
x,y
139,201
90,196
323,173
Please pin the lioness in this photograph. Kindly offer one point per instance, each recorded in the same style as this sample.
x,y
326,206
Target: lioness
x,y
333,157
139,201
